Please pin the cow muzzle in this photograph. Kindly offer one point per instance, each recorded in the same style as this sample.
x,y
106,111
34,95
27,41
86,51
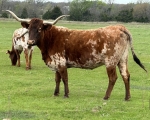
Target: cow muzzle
x,y
31,42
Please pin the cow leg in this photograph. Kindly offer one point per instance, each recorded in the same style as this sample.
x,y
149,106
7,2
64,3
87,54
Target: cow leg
x,y
126,78
26,53
57,80
30,57
18,57
112,75
64,76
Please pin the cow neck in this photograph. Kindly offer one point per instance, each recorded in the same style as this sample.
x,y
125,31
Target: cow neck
x,y
45,44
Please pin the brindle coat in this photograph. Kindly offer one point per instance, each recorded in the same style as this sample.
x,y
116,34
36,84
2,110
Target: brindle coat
x,y
62,48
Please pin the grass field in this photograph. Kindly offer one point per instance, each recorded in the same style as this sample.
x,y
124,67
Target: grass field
x,y
28,95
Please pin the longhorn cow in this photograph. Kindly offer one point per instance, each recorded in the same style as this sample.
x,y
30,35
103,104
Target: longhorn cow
x,y
19,44
63,48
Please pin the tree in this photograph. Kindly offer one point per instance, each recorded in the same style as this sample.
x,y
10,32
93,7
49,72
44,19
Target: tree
x,y
56,12
46,15
24,13
86,15
141,12
78,8
105,15
3,4
4,15
125,16
53,14
96,10
107,9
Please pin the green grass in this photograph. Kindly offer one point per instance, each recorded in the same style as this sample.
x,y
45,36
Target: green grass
x,y
28,95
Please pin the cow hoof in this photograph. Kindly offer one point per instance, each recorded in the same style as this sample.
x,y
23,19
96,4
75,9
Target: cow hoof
x,y
106,98
66,96
56,94
127,99
28,68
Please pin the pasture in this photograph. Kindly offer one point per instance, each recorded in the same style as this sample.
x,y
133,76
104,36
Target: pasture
x,y
28,95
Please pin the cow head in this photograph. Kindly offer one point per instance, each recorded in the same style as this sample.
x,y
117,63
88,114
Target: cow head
x,y
36,27
12,56
36,31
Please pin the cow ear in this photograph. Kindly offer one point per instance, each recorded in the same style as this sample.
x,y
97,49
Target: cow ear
x,y
46,27
25,25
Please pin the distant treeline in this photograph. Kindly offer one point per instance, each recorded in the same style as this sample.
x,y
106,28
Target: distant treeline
x,y
79,10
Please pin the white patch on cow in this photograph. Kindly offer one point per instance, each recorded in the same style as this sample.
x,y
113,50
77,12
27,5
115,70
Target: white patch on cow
x,y
124,71
123,62
96,59
105,49
56,61
92,42
93,34
99,57
18,47
102,37
113,60
20,43
108,36
72,63
99,40
61,28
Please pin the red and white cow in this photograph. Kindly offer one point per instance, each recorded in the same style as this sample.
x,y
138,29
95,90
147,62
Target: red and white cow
x,y
62,48
19,44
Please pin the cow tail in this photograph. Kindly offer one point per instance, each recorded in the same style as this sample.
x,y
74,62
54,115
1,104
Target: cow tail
x,y
136,59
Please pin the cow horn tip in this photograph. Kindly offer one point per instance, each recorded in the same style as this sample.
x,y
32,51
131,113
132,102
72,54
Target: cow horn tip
x,y
66,15
5,10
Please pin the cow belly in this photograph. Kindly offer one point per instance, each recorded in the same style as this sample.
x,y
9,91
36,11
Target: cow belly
x,y
89,64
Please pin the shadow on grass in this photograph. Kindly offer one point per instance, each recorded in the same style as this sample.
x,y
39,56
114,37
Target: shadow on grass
x,y
22,115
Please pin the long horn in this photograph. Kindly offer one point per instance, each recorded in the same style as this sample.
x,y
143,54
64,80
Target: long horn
x,y
56,20
17,18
